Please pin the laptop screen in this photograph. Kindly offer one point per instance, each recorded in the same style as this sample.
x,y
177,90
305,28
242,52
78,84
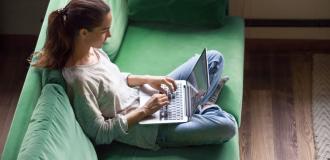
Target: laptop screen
x,y
199,78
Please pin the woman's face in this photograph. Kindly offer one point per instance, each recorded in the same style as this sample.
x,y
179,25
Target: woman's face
x,y
99,34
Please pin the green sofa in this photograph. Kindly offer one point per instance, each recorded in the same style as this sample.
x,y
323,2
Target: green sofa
x,y
44,126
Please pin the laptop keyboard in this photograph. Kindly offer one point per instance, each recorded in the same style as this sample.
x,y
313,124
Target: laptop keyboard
x,y
173,111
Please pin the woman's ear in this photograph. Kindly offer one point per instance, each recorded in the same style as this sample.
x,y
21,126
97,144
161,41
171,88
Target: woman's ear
x,y
83,32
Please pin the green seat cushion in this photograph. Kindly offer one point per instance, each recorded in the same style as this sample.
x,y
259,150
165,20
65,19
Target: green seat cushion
x,y
118,151
157,49
199,13
53,132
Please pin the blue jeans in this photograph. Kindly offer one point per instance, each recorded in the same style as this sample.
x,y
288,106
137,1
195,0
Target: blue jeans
x,y
210,125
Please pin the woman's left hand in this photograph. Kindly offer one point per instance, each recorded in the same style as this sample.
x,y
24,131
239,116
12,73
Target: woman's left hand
x,y
157,81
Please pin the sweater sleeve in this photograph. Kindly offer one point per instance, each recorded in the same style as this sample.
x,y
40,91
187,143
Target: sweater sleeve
x,y
89,116
124,76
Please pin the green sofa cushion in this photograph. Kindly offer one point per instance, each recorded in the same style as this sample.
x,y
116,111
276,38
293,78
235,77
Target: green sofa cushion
x,y
53,132
209,13
157,49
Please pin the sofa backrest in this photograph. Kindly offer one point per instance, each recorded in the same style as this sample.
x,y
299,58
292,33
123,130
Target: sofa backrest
x,y
195,13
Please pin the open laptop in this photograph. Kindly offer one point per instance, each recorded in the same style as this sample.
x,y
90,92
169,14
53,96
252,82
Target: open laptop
x,y
184,101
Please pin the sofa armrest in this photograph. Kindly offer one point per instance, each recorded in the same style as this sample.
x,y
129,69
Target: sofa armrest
x,y
25,106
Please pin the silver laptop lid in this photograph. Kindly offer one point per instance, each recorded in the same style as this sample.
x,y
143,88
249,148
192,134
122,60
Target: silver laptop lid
x,y
199,80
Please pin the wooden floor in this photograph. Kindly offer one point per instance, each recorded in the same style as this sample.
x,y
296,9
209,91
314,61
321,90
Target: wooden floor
x,y
13,69
276,118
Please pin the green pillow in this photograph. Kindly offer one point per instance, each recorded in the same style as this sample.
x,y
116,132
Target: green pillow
x,y
199,13
53,132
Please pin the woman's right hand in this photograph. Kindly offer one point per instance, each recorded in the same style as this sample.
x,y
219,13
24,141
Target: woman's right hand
x,y
155,103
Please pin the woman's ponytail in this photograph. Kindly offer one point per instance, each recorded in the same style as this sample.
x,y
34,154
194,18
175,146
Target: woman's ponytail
x,y
58,44
59,41
63,26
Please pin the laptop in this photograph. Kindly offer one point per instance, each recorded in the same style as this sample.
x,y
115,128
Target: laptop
x,y
184,101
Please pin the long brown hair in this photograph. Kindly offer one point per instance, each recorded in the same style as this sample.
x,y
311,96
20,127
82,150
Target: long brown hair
x,y
64,25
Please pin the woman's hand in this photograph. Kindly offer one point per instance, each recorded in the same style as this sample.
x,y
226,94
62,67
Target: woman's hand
x,y
155,103
157,81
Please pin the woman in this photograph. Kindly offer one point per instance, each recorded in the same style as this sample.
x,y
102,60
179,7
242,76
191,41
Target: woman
x,y
106,101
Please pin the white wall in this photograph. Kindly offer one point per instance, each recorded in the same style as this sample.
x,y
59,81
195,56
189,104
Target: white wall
x,y
283,9
287,9
22,16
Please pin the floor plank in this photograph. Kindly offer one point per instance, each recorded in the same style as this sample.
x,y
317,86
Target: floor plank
x,y
262,134
302,86
245,129
282,107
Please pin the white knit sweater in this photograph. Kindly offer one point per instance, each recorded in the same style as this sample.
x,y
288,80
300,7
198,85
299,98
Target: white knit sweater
x,y
100,97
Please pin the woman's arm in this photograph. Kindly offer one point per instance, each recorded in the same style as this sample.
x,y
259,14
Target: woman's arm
x,y
99,129
153,81
137,80
153,104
